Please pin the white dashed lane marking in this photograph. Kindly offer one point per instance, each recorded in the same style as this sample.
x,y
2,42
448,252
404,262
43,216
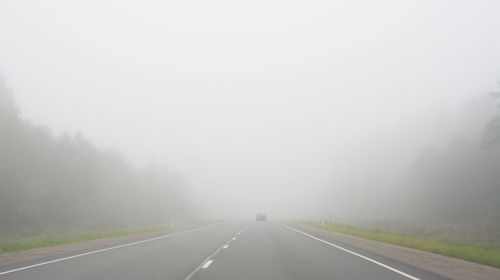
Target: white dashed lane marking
x,y
207,264
209,260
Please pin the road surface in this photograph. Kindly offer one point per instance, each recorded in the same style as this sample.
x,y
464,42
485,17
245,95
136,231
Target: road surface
x,y
254,250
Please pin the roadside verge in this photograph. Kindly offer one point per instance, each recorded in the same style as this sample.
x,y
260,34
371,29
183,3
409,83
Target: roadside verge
x,y
28,255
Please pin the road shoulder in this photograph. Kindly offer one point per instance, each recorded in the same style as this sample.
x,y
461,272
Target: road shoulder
x,y
445,266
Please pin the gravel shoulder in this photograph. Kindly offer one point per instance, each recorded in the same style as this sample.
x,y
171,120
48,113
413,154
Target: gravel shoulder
x,y
445,266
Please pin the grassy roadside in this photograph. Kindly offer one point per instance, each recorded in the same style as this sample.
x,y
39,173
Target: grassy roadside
x,y
27,243
489,257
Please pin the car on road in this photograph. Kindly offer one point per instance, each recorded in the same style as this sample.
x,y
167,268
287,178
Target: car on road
x,y
261,217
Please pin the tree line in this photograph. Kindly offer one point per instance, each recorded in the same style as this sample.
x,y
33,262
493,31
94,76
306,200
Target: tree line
x,y
65,180
460,180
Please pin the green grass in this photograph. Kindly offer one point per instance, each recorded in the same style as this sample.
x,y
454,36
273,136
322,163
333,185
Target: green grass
x,y
485,256
26,243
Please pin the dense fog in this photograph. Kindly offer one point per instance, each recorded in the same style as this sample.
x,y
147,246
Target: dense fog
x,y
67,181
144,112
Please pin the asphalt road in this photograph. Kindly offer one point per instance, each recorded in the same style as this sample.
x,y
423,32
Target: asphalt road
x,y
255,250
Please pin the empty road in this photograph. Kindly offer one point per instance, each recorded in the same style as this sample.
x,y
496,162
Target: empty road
x,y
253,250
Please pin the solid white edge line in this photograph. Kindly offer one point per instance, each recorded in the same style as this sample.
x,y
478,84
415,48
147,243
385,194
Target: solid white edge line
x,y
207,264
356,254
190,275
102,250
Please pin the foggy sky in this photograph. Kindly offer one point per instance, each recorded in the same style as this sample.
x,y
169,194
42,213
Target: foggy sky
x,y
274,106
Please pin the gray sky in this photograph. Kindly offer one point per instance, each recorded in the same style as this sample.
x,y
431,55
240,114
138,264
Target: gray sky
x,y
261,105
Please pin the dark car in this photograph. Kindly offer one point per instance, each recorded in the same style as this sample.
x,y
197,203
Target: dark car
x,y
261,217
